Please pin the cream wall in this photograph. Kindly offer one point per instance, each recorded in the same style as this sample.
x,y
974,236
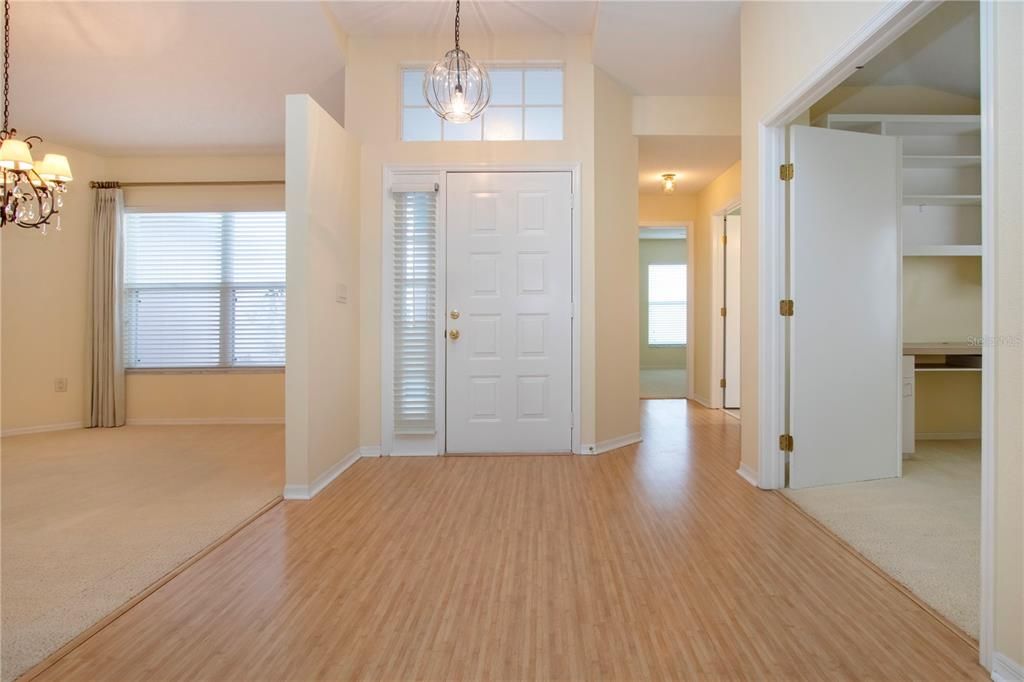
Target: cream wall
x,y
893,99
680,115
722,192
44,307
322,193
373,66
616,253
658,251
781,44
1009,416
45,303
214,396
667,208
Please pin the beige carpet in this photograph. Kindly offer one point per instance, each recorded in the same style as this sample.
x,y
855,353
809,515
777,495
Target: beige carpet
x,y
662,383
924,529
92,517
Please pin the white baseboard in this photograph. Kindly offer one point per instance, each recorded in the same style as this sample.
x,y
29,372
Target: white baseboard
x,y
700,400
1005,669
203,421
369,451
958,435
308,492
44,428
611,444
748,474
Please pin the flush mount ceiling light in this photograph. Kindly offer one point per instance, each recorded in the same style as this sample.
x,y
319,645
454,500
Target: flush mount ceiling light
x,y
457,88
31,192
668,183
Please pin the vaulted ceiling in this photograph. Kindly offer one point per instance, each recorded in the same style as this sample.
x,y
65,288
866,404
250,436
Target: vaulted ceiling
x,y
194,77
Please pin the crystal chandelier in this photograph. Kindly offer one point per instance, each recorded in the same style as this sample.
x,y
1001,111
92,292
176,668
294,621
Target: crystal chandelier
x,y
457,88
31,192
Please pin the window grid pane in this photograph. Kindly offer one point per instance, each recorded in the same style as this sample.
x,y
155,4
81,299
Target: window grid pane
x,y
204,290
527,104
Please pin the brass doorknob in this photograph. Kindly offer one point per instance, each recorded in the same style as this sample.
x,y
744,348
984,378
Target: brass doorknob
x,y
453,334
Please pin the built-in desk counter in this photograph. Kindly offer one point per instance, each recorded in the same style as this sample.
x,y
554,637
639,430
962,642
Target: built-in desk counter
x,y
931,357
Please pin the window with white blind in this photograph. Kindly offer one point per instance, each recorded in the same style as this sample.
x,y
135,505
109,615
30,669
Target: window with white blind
x,y
204,290
666,305
415,293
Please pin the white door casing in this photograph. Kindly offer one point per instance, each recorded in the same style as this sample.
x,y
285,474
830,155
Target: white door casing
x,y
845,334
509,277
732,310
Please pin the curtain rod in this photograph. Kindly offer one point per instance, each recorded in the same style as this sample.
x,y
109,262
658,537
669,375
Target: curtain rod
x,y
197,183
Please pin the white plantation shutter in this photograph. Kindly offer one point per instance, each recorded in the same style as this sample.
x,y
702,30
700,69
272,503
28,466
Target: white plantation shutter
x,y
666,305
415,293
204,290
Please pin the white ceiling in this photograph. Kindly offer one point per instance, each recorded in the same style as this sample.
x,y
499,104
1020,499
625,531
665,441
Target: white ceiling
x,y
182,77
942,51
695,159
670,48
187,77
489,17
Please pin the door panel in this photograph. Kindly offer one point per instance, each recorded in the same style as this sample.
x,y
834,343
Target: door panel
x,y
732,309
845,333
509,276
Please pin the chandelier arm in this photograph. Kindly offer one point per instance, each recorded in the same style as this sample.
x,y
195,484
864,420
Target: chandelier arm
x,y
39,196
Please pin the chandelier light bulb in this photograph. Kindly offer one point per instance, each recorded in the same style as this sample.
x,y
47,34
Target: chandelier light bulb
x,y
31,193
457,88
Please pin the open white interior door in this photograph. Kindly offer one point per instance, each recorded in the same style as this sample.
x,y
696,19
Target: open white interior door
x,y
845,333
731,397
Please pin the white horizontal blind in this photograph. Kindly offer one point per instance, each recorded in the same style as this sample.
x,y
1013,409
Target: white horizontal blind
x,y
204,290
666,305
415,294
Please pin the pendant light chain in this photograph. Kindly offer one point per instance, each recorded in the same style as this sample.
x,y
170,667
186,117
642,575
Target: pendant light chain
x,y
7,62
458,6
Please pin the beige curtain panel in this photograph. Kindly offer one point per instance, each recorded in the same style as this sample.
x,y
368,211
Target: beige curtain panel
x,y
107,406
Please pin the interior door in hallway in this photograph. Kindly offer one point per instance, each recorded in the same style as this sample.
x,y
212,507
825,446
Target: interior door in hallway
x,y
509,312
731,393
845,353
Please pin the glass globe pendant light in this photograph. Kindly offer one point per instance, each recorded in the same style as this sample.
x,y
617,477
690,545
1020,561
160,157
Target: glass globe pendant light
x,y
457,88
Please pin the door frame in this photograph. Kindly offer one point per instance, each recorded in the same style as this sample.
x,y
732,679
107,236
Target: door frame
x,y
686,225
385,371
718,301
891,22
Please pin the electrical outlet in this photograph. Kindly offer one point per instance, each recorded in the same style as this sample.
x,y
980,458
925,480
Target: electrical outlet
x,y
60,384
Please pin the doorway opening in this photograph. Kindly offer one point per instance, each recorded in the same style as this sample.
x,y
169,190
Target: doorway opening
x,y
876,286
664,320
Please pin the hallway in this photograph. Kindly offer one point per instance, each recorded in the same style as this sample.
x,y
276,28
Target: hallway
x,y
654,561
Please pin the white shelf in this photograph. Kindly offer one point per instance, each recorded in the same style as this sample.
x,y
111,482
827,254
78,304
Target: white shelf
x,y
942,250
941,199
903,125
941,161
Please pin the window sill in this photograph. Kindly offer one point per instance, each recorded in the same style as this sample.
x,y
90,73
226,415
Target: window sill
x,y
206,370
666,345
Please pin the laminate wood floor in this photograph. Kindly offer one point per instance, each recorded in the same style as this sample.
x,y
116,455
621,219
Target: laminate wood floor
x,y
654,561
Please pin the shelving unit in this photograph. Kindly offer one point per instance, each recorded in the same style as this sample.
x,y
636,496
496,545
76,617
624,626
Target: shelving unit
x,y
941,218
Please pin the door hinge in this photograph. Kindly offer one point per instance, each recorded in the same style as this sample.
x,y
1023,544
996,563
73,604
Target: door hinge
x,y
721,383
725,240
722,312
786,172
786,307
786,442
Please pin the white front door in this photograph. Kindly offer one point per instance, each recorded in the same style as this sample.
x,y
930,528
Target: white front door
x,y
509,298
731,398
845,330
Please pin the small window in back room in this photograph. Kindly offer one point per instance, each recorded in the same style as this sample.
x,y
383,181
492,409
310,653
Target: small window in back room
x,y
526,104
666,305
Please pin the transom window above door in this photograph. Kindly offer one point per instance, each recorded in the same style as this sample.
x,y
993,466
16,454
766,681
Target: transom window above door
x,y
526,104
